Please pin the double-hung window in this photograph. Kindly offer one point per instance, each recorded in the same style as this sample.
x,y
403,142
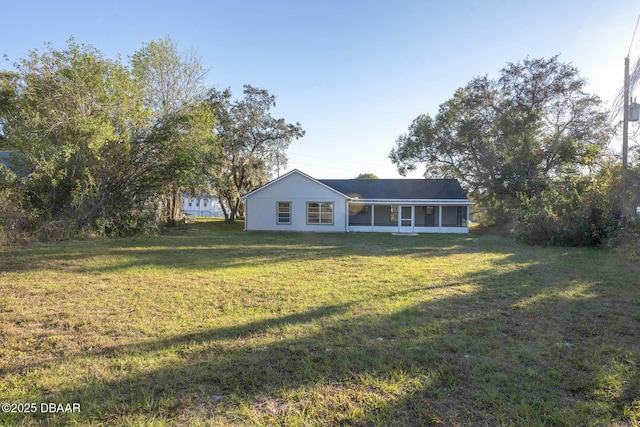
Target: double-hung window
x,y
284,213
319,212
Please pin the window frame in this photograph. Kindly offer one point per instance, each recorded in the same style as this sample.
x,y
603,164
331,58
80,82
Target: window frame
x,y
321,213
280,212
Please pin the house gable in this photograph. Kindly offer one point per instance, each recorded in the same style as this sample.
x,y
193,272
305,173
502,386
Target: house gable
x,y
299,195
294,176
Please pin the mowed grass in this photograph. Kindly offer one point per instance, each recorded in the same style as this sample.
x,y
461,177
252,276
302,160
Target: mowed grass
x,y
210,325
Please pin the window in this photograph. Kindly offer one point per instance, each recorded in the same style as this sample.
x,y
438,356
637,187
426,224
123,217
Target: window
x,y
320,213
284,213
454,216
385,215
394,214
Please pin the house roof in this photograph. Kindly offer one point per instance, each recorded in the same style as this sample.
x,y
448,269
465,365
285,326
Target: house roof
x,y
384,189
15,161
398,189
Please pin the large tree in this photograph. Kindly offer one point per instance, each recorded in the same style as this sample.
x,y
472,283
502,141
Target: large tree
x,y
509,136
172,84
252,144
100,158
170,80
71,112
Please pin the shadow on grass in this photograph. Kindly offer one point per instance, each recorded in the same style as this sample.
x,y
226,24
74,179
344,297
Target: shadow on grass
x,y
224,250
550,342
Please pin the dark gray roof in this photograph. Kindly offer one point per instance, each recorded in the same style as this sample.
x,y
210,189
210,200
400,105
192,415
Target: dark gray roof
x,y
410,189
15,162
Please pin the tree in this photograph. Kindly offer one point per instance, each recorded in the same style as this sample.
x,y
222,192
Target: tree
x,y
510,136
367,176
169,80
171,83
179,152
252,144
100,159
71,113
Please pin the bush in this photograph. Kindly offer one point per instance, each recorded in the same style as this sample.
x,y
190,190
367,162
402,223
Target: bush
x,y
16,222
626,241
563,215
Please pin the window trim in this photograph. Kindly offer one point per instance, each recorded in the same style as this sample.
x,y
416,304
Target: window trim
x,y
321,212
279,212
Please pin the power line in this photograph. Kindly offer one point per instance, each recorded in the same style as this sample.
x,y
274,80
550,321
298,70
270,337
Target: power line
x,y
327,167
634,35
337,160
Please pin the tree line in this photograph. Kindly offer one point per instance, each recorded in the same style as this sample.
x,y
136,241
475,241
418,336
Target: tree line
x,y
532,149
112,145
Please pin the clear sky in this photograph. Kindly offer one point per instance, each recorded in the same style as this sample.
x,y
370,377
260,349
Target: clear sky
x,y
354,73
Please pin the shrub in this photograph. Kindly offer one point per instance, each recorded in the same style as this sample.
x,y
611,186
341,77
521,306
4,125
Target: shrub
x,y
563,215
626,241
15,220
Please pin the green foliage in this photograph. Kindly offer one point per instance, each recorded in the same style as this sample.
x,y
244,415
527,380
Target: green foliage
x,y
70,112
172,88
582,210
511,136
169,81
15,220
101,157
367,176
559,215
252,144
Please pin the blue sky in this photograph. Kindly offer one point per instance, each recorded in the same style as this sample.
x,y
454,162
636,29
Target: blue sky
x,y
353,73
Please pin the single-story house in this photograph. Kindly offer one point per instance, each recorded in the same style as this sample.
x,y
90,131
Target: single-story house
x,y
297,202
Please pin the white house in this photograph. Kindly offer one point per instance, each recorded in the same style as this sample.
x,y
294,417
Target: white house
x,y
201,205
298,202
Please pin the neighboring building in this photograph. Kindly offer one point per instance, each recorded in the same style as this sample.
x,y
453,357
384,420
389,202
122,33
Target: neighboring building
x,y
298,202
203,205
15,162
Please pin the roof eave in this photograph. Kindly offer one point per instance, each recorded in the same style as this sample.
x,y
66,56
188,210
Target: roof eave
x,y
291,173
412,201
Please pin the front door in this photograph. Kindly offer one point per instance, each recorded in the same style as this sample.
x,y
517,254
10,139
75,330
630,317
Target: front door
x,y
406,222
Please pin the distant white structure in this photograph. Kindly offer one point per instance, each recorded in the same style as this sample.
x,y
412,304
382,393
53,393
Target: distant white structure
x,y
201,205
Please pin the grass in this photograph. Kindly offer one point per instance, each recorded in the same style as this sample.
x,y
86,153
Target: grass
x,y
209,325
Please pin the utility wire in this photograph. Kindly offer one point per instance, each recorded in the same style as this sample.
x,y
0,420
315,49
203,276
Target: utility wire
x,y
634,36
350,161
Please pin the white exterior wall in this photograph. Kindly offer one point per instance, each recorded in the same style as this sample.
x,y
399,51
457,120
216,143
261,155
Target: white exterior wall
x,y
261,206
416,229
206,206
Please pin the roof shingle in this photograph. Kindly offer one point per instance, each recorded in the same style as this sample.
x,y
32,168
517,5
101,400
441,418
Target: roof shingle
x,y
398,189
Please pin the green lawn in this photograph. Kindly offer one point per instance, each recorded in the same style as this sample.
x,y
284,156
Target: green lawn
x,y
210,325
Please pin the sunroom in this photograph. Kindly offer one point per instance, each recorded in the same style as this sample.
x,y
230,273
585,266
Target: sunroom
x,y
402,217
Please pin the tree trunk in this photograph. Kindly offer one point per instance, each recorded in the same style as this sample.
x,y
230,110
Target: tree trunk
x,y
173,207
233,212
224,210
